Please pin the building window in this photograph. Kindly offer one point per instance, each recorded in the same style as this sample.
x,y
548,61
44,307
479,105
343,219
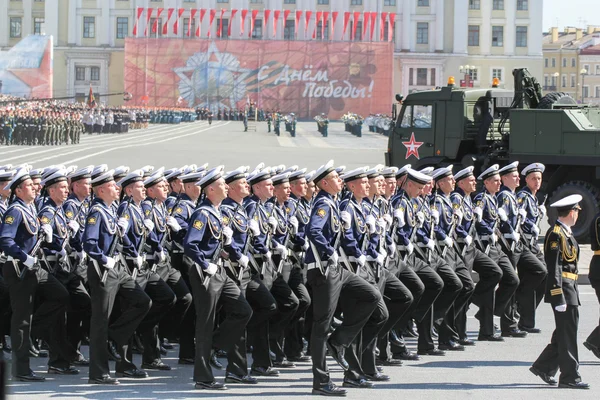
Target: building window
x,y
586,91
411,80
564,81
358,34
422,33
189,1
497,36
498,4
545,63
432,77
289,30
587,68
15,27
572,80
323,2
356,2
522,37
38,26
222,1
80,73
474,4
257,33
158,23
289,1
553,62
192,25
422,3
225,28
564,62
387,2
597,69
256,1
95,73
421,76
545,81
320,32
497,73
473,35
386,30
89,27
597,92
522,5
122,27
474,74
573,62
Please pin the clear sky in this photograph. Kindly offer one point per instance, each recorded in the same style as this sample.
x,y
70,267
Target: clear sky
x,y
578,13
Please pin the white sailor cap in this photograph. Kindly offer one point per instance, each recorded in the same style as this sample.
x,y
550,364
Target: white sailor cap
x,y
507,169
488,173
375,171
202,167
35,173
134,176
28,167
464,173
299,174
441,173
120,172
355,174
103,178
389,172
71,168
46,172
19,177
81,173
175,173
148,169
6,176
60,175
259,176
418,177
535,167
568,203
340,170
283,177
323,171
310,176
427,170
291,169
192,177
236,174
188,169
6,167
99,170
278,169
403,171
259,167
211,176
155,178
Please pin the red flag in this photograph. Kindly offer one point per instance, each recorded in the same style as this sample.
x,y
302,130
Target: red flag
x,y
253,20
391,26
366,17
356,17
266,23
165,30
334,15
243,22
176,24
307,15
298,16
155,24
317,19
233,12
275,20
211,18
220,31
373,19
382,25
346,19
148,18
325,20
140,10
91,100
192,16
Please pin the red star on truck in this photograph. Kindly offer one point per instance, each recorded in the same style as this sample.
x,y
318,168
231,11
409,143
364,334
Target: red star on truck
x,y
412,146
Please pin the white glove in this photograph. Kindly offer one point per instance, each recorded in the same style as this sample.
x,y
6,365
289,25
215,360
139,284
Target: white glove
x,y
380,258
149,224
173,224
399,215
74,225
502,215
334,257
535,231
160,256
123,224
138,261
243,261
294,223
392,249
253,227
361,260
61,254
267,255
448,241
468,240
382,223
542,209
384,253
388,221
459,215
516,236
47,229
30,261
479,213
346,219
211,269
110,263
435,215
410,248
227,235
420,219
80,255
371,223
273,223
561,308
430,245
523,214
280,249
494,238
305,245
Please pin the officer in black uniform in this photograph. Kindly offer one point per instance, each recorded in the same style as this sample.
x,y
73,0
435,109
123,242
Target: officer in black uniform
x,y
592,342
562,255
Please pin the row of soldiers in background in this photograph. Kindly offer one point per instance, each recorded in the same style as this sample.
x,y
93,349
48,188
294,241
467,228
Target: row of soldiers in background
x,y
322,124
290,124
379,123
396,245
106,120
353,123
172,115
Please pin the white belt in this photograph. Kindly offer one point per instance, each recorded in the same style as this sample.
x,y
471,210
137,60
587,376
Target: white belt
x,y
310,266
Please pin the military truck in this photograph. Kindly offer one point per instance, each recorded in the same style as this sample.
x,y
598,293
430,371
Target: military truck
x,y
481,127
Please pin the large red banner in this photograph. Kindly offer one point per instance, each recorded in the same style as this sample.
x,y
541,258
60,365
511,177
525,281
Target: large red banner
x,y
303,77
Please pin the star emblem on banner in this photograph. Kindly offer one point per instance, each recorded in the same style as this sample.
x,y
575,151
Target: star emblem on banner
x,y
412,146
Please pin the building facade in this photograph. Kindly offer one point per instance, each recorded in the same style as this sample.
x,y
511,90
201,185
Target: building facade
x,y
589,59
432,38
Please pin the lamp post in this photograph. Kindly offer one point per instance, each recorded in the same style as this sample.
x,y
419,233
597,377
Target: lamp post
x,y
466,70
583,73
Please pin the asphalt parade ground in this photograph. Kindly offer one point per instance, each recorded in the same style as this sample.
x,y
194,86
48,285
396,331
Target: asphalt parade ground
x,y
485,371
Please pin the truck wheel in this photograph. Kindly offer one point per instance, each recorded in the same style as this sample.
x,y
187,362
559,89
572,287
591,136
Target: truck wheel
x,y
589,206
555,98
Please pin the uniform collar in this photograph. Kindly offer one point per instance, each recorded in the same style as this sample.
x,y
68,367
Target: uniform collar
x,y
566,228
